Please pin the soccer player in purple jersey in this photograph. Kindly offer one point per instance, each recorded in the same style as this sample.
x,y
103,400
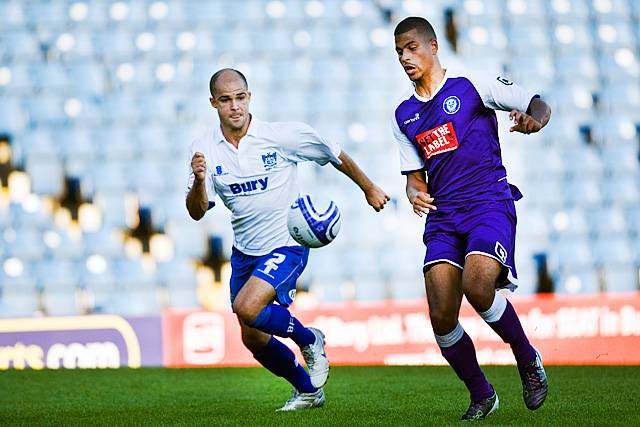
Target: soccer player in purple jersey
x,y
447,132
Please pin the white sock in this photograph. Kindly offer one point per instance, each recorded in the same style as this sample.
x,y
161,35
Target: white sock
x,y
496,310
451,338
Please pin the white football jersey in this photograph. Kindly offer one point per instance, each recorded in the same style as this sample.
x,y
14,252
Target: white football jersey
x,y
258,181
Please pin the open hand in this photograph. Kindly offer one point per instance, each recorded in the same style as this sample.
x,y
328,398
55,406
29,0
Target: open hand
x,y
422,203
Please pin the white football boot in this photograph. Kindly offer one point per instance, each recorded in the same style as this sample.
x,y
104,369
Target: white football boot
x,y
316,360
303,401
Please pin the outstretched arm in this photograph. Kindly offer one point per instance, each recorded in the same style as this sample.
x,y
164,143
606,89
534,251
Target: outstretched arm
x,y
418,193
374,194
197,200
536,117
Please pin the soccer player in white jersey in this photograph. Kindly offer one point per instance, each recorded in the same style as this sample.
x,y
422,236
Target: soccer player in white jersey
x,y
251,165
447,132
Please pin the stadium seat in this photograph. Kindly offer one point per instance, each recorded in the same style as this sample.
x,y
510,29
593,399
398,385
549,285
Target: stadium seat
x,y
371,288
574,252
183,297
177,274
29,246
21,304
132,276
135,302
583,191
608,221
60,303
105,242
58,275
20,43
612,250
582,280
622,190
621,278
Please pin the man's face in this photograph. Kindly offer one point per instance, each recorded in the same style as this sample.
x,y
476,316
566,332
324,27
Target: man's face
x,y
416,55
231,99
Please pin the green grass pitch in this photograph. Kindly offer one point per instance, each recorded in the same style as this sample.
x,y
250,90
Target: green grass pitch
x,y
363,396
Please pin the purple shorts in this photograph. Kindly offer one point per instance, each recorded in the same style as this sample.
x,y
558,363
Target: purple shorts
x,y
485,228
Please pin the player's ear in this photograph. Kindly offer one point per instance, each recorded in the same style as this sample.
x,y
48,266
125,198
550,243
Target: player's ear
x,y
212,101
434,46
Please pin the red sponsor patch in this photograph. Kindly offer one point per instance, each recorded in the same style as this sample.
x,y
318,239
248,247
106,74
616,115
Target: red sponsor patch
x,y
438,140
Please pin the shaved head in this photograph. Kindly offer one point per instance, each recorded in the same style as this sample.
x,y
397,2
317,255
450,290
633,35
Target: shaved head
x,y
421,25
226,74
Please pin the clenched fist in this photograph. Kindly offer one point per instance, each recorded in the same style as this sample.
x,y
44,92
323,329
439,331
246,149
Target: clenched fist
x,y
376,198
523,123
199,166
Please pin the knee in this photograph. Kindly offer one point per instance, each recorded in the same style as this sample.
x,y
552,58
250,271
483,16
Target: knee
x,y
479,293
443,321
246,312
254,342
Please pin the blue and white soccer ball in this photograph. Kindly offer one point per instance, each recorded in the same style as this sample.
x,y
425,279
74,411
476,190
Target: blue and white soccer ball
x,y
313,225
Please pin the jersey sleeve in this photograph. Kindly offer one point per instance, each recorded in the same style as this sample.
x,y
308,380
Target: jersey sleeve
x,y
305,144
502,94
192,177
410,158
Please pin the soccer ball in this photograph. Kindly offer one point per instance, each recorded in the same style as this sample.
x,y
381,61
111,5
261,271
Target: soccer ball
x,y
310,227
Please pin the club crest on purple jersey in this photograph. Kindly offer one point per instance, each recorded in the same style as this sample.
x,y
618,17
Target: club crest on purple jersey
x,y
451,104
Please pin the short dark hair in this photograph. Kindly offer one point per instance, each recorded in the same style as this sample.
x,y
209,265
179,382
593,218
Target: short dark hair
x,y
417,23
217,74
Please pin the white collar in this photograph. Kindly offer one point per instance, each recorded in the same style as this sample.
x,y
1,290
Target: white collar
x,y
251,131
435,92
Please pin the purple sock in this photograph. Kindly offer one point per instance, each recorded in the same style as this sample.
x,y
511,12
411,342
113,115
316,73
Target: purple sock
x,y
459,351
276,320
503,319
281,361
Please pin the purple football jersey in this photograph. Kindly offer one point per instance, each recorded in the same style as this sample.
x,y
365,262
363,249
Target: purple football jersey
x,y
453,136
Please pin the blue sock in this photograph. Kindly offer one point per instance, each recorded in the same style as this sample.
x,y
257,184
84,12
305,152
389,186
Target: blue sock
x,y
276,320
281,361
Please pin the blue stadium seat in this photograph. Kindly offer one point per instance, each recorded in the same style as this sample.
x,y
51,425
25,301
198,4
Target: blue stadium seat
x,y
583,191
577,65
115,45
29,246
179,273
576,224
621,278
20,304
12,116
583,160
113,207
132,276
46,176
582,280
88,77
571,251
105,242
20,43
608,221
61,303
371,288
622,189
135,302
183,297
58,275
613,250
